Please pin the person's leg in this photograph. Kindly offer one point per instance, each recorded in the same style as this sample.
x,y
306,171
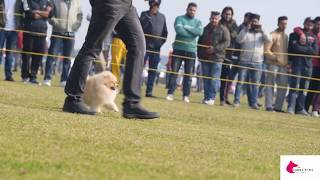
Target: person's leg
x,y
27,47
101,25
2,41
255,77
216,74
11,44
54,49
68,45
241,78
175,67
205,67
225,72
304,85
233,73
130,31
117,56
316,103
154,60
188,70
38,47
293,93
282,82
310,95
270,81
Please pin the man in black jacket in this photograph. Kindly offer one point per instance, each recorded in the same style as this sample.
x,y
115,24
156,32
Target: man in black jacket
x,y
108,15
301,66
37,13
155,28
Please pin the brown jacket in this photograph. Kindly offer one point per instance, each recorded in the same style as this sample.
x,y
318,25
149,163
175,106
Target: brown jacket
x,y
17,15
278,44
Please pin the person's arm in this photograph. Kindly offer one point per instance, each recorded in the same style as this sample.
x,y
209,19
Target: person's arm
x,y
43,14
234,32
241,38
296,47
78,23
164,32
145,20
195,31
269,54
179,28
314,49
225,43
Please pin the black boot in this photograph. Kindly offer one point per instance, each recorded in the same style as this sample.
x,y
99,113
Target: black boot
x,y
136,111
76,106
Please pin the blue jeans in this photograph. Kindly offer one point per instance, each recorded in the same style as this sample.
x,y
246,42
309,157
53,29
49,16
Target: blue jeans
x,y
188,69
211,86
8,38
59,46
254,76
153,60
297,98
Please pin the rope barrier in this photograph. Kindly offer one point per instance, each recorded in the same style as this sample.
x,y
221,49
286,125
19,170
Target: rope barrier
x,y
177,73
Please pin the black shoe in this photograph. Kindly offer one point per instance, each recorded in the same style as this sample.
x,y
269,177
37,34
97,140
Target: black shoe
x,y
150,95
34,82
9,79
76,106
135,111
270,109
279,111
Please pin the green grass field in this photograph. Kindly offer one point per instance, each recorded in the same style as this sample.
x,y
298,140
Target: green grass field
x,y
194,141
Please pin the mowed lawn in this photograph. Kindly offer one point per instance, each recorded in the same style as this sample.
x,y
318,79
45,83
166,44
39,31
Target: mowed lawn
x,y
189,141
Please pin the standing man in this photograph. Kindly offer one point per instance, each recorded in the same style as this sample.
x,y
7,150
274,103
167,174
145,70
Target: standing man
x,y
188,29
66,20
277,62
217,37
108,15
36,17
301,66
252,42
231,58
153,23
9,23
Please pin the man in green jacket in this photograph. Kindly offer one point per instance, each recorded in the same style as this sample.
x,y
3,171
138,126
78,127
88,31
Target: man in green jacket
x,y
10,21
188,29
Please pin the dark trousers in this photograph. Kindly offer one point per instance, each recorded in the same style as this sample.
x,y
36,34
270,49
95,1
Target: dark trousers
x,y
188,69
225,74
108,15
153,59
314,98
59,46
32,43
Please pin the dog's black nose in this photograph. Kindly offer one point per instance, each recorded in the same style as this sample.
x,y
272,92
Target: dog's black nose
x,y
113,88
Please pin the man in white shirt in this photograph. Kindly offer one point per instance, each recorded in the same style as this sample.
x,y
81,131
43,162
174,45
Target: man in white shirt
x,y
9,23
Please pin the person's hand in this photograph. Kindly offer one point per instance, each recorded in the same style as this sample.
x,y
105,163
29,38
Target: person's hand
x,y
289,68
210,50
303,39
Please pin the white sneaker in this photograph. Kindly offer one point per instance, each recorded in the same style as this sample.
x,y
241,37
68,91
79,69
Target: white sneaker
x,y
209,102
170,97
186,99
315,114
63,83
47,83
